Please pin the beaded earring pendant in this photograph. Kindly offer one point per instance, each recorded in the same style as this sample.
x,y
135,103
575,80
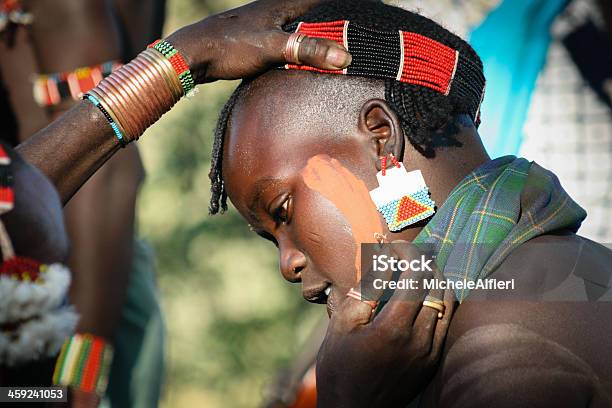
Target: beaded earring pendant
x,y
402,197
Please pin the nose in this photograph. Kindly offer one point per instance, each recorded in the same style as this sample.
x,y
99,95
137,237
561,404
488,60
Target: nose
x,y
292,262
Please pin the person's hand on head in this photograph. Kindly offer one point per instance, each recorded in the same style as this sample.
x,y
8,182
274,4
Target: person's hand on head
x,y
384,359
248,40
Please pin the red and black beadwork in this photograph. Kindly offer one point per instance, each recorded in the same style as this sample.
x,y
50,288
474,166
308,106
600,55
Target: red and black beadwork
x,y
404,56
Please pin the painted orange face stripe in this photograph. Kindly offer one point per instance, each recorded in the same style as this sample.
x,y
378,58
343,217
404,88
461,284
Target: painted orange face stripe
x,y
349,194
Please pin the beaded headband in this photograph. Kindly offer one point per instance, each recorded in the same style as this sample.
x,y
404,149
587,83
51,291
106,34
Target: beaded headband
x,y
403,56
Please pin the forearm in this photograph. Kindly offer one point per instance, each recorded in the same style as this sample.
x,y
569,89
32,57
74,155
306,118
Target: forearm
x,y
71,148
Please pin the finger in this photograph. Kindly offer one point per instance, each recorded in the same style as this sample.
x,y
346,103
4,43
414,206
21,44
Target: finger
x,y
375,274
359,306
450,302
427,318
426,323
407,250
324,54
315,52
404,305
350,315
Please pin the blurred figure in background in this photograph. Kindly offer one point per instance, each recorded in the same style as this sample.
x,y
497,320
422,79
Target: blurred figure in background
x,y
71,45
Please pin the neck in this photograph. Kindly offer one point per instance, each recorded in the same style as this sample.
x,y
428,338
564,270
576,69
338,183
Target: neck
x,y
444,171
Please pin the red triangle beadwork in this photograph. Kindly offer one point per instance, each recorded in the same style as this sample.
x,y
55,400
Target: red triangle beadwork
x,y
408,208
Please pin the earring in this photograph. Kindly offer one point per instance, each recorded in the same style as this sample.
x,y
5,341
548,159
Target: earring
x,y
401,197
380,238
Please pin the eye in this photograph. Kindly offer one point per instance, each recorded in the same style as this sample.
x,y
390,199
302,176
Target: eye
x,y
282,212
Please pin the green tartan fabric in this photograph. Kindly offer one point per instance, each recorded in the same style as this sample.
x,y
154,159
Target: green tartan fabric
x,y
496,208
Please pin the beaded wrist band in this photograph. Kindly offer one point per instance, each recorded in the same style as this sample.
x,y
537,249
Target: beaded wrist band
x,y
84,363
108,117
178,63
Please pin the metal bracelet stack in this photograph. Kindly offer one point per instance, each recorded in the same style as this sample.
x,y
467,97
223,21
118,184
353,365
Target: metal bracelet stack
x,y
137,95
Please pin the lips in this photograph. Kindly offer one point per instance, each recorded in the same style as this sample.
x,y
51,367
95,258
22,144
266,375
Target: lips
x,y
323,294
318,294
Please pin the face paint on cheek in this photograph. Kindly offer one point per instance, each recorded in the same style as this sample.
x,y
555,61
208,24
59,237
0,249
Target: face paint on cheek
x,y
349,194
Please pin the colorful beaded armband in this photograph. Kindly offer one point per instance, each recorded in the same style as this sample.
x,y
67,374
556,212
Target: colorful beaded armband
x,y
84,363
51,89
108,117
178,63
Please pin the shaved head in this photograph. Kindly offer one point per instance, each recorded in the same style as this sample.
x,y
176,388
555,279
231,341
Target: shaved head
x,y
309,98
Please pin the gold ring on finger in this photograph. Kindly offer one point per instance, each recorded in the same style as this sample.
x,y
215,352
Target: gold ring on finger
x,y
292,49
436,304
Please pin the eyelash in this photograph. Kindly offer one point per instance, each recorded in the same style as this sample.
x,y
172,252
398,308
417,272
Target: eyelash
x,y
267,236
282,214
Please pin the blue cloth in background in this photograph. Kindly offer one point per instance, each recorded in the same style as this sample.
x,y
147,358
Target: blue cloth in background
x,y
512,42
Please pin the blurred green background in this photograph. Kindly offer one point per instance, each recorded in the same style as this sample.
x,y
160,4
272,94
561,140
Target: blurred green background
x,y
232,320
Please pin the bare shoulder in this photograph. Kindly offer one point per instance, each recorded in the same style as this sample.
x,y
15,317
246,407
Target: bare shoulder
x,y
561,267
546,346
507,365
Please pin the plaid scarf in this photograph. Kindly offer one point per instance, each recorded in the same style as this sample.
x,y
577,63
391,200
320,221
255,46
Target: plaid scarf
x,y
497,207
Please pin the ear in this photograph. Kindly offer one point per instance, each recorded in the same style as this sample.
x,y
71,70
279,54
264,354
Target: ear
x,y
382,128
